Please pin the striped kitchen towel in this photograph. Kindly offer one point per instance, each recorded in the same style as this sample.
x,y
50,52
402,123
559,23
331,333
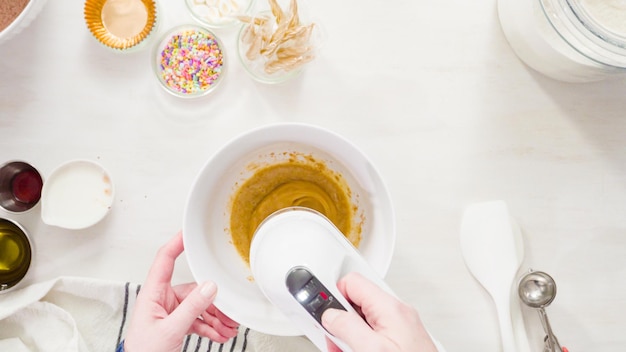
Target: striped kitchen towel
x,y
87,315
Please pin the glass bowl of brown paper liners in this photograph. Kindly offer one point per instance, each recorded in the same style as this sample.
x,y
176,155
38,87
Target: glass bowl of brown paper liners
x,y
275,46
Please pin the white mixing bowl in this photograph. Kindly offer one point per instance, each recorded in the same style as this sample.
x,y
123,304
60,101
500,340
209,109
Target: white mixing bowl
x,y
22,21
208,246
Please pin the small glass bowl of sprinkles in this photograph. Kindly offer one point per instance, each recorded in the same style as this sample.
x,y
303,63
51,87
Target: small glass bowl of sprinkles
x,y
189,61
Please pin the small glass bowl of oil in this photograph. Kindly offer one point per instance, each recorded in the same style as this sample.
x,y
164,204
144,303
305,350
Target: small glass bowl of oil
x,y
16,252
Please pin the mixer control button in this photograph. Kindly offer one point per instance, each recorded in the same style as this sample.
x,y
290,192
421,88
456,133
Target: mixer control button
x,y
312,295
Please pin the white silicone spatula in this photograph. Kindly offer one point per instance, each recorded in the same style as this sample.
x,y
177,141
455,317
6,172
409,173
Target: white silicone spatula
x,y
491,246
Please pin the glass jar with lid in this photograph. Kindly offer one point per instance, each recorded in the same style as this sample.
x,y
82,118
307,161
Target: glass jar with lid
x,y
568,40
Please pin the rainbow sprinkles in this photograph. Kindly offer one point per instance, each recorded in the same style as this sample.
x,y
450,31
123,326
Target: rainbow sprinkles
x,y
190,61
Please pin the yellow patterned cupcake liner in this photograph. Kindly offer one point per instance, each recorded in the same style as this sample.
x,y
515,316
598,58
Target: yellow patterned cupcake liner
x,y
95,23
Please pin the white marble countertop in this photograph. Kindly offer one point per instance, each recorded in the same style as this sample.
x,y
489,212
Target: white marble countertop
x,y
432,93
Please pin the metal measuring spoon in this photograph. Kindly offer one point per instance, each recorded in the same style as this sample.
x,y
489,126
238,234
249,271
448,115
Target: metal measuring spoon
x,y
537,290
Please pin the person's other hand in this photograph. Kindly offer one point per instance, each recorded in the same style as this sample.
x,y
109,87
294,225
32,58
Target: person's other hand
x,y
393,325
163,314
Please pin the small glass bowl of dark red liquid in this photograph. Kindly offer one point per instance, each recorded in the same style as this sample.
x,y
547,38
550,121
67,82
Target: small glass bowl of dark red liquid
x,y
20,186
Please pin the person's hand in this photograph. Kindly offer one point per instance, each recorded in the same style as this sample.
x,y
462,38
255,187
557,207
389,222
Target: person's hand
x,y
163,314
393,325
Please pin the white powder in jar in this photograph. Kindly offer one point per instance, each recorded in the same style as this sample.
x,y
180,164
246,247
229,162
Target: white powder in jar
x,y
529,27
610,14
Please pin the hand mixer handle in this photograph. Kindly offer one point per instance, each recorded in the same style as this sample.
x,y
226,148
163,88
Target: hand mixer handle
x,y
312,295
315,297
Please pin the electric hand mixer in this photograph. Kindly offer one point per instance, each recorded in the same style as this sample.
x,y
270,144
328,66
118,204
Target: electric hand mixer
x,y
297,256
